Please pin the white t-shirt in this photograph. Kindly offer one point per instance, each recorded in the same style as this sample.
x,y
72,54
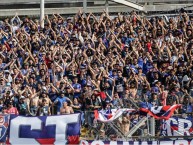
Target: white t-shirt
x,y
14,28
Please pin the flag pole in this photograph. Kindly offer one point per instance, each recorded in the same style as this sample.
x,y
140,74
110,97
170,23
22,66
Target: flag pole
x,y
42,13
152,126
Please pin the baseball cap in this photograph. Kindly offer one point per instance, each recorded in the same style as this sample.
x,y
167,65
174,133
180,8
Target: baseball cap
x,y
10,103
6,71
62,92
22,97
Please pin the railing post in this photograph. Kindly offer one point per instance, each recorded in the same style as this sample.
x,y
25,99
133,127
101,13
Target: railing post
x,y
42,13
107,6
85,6
152,126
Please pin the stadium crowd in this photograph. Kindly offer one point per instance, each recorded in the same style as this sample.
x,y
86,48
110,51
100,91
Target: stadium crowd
x,y
86,63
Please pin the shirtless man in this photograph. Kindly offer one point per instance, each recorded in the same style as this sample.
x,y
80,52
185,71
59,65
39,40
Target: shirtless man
x,y
133,87
34,104
45,96
66,109
124,124
44,110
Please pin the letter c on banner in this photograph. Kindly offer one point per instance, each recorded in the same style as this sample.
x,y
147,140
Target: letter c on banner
x,y
34,122
97,142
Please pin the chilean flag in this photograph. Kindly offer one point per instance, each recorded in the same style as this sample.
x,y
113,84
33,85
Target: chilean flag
x,y
160,112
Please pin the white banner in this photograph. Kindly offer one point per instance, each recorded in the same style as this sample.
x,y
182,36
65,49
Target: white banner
x,y
98,142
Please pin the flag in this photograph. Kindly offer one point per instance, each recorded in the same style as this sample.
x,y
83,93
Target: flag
x,y
160,112
110,115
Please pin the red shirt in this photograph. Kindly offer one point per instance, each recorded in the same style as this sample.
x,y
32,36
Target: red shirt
x,y
163,98
149,46
12,110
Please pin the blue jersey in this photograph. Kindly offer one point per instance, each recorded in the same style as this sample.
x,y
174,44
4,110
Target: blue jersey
x,y
60,101
77,86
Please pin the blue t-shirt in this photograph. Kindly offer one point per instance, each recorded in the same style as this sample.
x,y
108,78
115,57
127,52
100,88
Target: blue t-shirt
x,y
3,40
77,86
2,66
60,101
52,96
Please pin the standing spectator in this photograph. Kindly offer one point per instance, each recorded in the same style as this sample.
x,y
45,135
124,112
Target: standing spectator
x,y
77,87
76,105
60,100
119,83
22,106
44,109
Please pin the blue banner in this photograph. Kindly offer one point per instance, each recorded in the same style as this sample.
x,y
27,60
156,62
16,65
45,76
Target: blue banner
x,y
61,129
4,123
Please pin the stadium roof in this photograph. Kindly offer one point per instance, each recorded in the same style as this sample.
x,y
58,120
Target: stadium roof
x,y
26,7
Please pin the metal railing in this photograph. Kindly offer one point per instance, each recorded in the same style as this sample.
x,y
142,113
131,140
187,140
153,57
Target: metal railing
x,y
31,7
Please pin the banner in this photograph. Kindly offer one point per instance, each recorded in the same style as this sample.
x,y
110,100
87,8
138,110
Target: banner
x,y
4,123
98,142
61,129
177,127
110,115
160,112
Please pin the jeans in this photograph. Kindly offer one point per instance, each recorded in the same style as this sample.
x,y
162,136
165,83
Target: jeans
x,y
89,117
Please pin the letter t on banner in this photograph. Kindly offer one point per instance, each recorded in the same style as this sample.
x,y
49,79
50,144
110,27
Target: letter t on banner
x,y
61,123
